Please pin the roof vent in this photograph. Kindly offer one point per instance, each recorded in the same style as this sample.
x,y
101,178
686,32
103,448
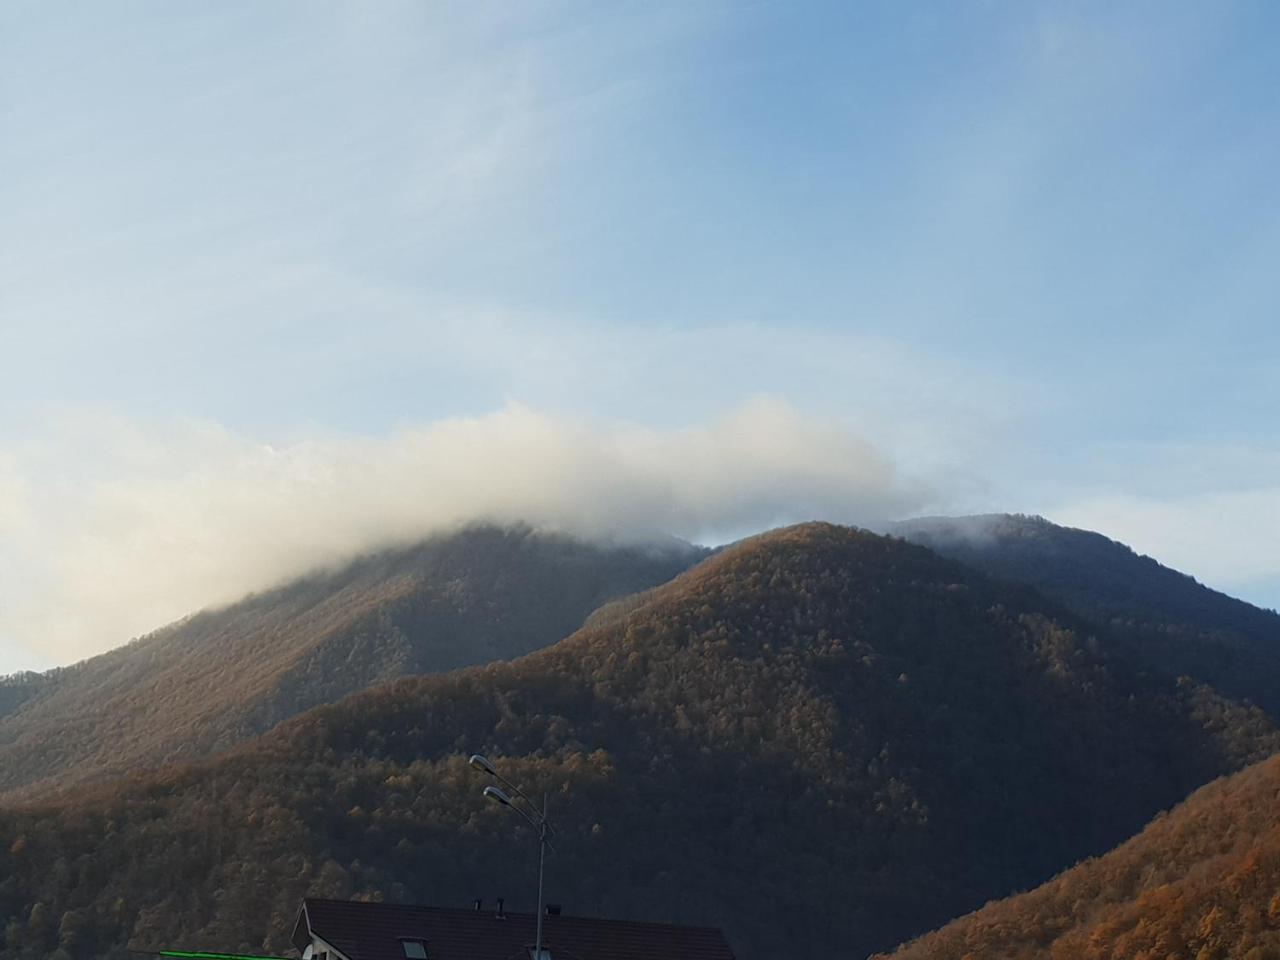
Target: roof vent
x,y
553,909
477,904
500,913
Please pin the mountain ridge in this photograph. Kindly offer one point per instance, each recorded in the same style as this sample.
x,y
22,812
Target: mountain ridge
x,y
218,677
1157,617
819,739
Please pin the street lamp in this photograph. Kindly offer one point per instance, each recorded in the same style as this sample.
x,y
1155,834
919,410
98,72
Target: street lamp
x,y
537,819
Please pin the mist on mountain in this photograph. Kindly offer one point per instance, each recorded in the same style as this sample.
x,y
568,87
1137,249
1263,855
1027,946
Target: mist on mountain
x,y
218,678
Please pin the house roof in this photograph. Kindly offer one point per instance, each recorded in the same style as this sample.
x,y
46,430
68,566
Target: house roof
x,y
374,931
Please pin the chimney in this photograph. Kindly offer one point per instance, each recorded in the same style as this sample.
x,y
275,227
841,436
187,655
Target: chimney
x,y
500,914
553,909
476,903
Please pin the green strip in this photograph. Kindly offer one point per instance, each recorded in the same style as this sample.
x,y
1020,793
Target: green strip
x,y
199,955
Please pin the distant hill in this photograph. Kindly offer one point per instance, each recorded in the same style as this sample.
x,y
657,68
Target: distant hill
x,y
1202,882
822,740
1162,619
221,677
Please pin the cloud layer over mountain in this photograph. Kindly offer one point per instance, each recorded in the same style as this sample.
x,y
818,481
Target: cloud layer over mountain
x,y
150,523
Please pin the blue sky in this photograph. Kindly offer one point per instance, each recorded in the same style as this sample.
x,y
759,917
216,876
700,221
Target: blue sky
x,y
1009,255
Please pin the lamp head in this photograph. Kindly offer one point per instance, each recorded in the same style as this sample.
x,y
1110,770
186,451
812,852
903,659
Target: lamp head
x,y
497,796
483,765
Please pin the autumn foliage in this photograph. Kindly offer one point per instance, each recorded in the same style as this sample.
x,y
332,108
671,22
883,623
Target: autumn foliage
x,y
822,740
1201,883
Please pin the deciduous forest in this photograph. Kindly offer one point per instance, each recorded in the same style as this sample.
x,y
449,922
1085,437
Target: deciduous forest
x,y
823,740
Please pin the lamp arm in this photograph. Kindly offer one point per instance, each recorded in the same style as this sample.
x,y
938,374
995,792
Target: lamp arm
x,y
532,822
540,826
541,816
514,789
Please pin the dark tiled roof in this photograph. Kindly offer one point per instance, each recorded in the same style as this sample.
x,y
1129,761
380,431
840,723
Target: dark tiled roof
x,y
372,931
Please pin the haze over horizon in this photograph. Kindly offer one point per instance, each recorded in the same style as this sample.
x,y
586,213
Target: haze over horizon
x,y
284,283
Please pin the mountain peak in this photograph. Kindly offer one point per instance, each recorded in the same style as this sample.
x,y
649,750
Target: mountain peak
x,y
1153,614
219,677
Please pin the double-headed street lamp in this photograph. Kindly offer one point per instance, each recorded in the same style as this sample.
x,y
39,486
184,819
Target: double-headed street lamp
x,y
537,818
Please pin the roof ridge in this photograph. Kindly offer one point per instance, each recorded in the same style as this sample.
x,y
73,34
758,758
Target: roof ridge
x,y
469,911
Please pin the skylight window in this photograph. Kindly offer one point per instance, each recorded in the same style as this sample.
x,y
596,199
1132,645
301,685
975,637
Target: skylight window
x,y
414,949
543,954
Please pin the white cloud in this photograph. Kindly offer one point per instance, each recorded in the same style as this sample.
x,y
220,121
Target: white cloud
x,y
13,499
123,527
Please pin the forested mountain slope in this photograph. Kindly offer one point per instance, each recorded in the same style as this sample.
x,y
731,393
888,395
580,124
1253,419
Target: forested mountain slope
x,y
1158,617
822,740
1202,882
221,677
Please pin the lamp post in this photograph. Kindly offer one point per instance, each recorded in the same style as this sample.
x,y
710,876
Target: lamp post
x,y
537,819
